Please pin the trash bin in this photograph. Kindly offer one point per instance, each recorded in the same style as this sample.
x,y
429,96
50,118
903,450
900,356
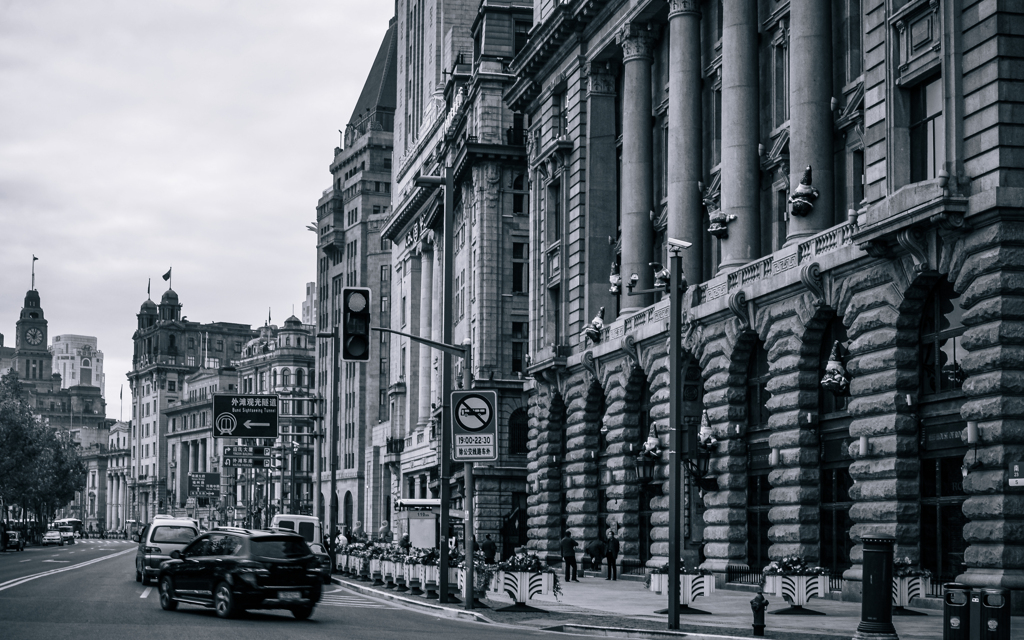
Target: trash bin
x,y
990,614
956,611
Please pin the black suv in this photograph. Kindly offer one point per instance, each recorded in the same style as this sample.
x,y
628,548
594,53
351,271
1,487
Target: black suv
x,y
233,569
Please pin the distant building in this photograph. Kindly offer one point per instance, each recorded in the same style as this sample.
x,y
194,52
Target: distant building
x,y
90,502
167,350
118,466
351,252
78,361
309,305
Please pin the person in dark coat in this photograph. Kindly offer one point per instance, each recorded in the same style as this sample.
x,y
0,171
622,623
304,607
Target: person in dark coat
x,y
596,549
612,554
568,546
489,548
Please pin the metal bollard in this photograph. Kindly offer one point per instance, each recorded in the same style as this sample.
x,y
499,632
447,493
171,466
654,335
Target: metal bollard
x,y
956,611
990,614
759,605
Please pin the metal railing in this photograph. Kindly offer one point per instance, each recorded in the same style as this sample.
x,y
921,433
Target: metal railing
x,y
740,575
630,567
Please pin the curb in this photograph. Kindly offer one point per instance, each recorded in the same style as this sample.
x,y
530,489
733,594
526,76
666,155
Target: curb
x,y
447,612
619,632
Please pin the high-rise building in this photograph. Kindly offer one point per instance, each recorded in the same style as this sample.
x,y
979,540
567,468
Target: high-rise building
x,y
451,111
309,305
167,350
78,361
844,173
351,252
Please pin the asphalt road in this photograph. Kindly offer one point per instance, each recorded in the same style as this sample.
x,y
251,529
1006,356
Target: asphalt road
x,y
88,590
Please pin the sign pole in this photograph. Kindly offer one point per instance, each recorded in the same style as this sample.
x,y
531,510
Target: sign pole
x,y
470,488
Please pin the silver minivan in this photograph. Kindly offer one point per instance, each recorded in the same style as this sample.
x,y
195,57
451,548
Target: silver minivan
x,y
157,541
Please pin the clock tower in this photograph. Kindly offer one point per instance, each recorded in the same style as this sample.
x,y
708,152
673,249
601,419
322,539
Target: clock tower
x,y
32,359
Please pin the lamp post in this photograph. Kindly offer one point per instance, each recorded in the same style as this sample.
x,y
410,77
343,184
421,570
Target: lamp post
x,y
335,336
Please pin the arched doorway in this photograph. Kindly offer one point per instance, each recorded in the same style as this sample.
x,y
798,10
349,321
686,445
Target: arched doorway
x,y
347,510
758,466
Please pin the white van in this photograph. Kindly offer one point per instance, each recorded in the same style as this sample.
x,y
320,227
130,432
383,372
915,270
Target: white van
x,y
308,527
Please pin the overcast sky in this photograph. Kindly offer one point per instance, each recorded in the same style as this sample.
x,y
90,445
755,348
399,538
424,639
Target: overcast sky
x,y
136,135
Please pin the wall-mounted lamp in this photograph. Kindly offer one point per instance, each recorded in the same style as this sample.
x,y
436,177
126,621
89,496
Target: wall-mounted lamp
x,y
773,457
864,446
972,432
967,467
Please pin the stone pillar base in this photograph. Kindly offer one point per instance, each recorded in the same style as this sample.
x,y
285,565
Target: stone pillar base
x,y
862,635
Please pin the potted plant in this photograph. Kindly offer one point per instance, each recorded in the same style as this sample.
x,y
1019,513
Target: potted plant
x,y
524,576
908,582
482,575
693,583
412,572
797,582
428,572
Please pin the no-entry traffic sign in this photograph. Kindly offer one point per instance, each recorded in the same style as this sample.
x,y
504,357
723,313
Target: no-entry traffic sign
x,y
236,416
474,426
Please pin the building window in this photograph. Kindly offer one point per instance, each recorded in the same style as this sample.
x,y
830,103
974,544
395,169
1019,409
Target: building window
x,y
521,37
758,488
850,34
927,131
519,337
941,334
780,79
518,433
519,194
520,256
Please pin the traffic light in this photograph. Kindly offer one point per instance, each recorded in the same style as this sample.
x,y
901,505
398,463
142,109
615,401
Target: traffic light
x,y
355,324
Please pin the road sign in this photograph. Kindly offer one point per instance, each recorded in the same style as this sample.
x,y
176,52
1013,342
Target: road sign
x,y
205,485
474,426
249,463
1017,474
250,416
234,451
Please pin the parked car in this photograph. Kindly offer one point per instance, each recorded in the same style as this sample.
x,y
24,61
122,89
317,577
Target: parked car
x,y
53,537
324,559
232,569
15,541
156,543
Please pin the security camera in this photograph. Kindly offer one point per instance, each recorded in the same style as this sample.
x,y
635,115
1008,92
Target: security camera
x,y
681,244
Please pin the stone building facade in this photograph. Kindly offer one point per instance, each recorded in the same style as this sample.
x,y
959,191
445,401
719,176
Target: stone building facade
x,y
894,256
118,465
460,121
352,253
78,361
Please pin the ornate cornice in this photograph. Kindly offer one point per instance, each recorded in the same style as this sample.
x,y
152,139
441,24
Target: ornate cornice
x,y
637,42
683,7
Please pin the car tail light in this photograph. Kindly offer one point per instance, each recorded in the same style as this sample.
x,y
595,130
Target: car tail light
x,y
151,550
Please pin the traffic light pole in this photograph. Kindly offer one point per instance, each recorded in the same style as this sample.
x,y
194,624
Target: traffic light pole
x,y
333,512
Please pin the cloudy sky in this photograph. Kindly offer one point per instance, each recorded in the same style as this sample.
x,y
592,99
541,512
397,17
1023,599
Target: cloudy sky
x,y
140,135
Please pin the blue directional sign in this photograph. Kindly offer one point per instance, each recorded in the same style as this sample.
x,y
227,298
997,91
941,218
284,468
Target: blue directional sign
x,y
244,416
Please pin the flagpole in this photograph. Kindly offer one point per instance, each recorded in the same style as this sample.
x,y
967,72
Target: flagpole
x,y
34,258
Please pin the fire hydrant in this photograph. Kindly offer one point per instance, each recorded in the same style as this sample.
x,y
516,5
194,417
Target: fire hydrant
x,y
759,605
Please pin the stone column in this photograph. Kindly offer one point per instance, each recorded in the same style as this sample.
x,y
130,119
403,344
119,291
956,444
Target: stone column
x,y
600,186
436,331
637,161
685,141
108,515
740,133
810,112
426,323
203,458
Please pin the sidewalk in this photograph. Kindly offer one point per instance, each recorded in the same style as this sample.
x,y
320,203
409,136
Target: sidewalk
x,y
612,607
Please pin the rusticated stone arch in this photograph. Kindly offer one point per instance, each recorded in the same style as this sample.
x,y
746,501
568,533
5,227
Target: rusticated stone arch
x,y
579,467
544,470
723,359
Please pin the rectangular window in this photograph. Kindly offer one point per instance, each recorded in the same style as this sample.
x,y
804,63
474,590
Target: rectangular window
x,y
779,84
927,131
716,126
520,255
522,36
858,177
385,273
385,244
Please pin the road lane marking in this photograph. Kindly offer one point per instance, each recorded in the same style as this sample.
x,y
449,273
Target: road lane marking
x,y
17,581
29,560
145,594
56,561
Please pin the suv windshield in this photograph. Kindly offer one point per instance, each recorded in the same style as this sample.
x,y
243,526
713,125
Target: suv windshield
x,y
173,534
279,548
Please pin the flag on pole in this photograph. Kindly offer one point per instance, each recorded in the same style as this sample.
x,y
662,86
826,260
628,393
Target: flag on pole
x,y
149,281
167,276
122,392
34,258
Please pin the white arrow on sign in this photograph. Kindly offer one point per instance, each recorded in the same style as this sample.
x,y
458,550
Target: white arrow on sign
x,y
249,424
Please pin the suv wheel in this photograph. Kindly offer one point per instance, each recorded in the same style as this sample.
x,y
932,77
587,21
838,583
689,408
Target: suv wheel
x,y
167,600
224,601
138,574
303,612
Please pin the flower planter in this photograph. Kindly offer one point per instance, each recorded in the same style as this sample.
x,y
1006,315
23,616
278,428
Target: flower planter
x,y
363,569
413,580
905,589
389,573
376,572
691,586
523,585
797,591
428,578
400,576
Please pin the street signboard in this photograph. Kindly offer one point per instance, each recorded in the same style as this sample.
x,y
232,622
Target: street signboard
x,y
248,462
474,426
1017,474
204,485
244,416
234,451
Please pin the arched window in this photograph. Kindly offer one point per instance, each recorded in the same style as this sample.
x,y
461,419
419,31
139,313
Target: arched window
x,y
286,376
347,517
273,379
300,378
518,432
942,450
758,466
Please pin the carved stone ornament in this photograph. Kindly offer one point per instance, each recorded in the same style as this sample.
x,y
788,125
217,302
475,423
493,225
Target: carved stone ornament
x,y
601,79
705,437
629,346
738,306
683,7
836,379
590,364
810,276
913,241
637,42
593,330
720,223
804,195
615,279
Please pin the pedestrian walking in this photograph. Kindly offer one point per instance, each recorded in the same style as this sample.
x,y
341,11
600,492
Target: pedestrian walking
x,y
612,555
569,556
405,544
489,548
596,549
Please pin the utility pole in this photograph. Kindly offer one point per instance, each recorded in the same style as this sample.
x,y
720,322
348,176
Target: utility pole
x,y
335,336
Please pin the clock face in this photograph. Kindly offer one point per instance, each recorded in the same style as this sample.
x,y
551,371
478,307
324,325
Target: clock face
x,y
34,336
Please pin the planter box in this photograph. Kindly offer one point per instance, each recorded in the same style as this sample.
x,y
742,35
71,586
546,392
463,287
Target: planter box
x,y
690,586
523,585
906,588
796,590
